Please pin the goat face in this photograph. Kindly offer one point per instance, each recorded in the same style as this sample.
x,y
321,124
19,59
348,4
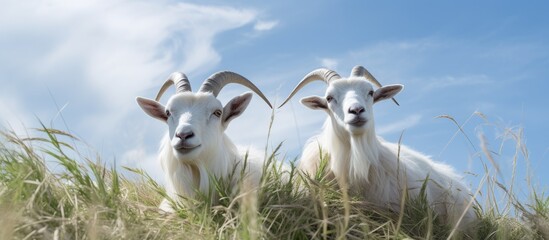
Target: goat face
x,y
349,103
196,121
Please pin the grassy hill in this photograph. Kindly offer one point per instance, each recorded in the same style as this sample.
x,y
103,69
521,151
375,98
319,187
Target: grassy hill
x,y
51,190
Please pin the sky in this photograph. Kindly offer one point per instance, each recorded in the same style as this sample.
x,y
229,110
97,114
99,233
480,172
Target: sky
x,y
78,66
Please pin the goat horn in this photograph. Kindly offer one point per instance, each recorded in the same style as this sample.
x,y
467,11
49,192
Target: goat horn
x,y
323,74
180,81
217,81
360,71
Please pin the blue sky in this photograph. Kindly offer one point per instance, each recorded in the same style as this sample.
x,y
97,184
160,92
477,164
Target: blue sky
x,y
79,65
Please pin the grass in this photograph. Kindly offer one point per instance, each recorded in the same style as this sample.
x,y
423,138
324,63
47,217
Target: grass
x,y
50,190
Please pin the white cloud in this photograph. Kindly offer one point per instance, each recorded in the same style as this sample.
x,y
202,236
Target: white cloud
x,y
452,81
140,159
292,126
265,25
330,63
400,125
119,45
12,114
130,44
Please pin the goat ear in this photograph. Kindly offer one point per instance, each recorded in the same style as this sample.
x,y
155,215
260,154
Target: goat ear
x,y
152,108
314,102
387,92
235,107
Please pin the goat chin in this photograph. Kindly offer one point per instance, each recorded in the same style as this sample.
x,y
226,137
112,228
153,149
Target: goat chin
x,y
184,179
379,172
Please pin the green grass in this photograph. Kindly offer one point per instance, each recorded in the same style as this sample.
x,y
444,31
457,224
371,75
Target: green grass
x,y
50,190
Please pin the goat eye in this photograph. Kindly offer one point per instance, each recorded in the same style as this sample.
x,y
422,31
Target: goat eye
x,y
329,98
371,93
168,113
217,113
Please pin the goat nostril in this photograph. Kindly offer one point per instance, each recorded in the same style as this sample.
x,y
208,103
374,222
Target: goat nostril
x,y
356,110
185,135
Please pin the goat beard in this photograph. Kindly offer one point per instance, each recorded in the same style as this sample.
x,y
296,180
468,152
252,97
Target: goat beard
x,y
364,154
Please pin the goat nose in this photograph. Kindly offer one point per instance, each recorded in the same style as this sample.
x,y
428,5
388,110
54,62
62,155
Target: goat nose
x,y
185,135
356,110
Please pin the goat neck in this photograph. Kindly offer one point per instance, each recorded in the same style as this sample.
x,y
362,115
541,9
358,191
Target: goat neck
x,y
187,176
352,155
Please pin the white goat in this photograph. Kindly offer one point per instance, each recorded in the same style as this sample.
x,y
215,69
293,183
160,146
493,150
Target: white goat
x,y
372,168
196,146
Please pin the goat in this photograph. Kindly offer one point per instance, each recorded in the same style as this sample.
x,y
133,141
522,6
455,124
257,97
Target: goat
x,y
196,146
370,167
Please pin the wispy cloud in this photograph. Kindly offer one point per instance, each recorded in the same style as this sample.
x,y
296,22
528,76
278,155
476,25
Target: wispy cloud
x,y
107,43
12,114
453,81
139,158
265,25
330,63
399,125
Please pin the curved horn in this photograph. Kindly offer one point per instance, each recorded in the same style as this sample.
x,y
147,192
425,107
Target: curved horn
x,y
323,74
360,71
180,81
217,81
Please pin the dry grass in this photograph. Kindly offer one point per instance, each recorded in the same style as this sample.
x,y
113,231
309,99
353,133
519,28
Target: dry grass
x,y
85,199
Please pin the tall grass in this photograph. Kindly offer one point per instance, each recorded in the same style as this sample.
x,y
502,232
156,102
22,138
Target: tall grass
x,y
50,190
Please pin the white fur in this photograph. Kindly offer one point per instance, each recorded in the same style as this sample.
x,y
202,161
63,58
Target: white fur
x,y
213,154
373,168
